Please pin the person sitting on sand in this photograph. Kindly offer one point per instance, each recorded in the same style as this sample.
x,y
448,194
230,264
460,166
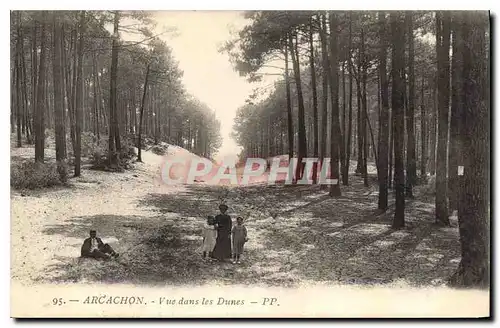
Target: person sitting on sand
x,y
93,247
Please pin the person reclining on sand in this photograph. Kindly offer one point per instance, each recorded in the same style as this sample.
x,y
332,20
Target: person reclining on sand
x,y
94,247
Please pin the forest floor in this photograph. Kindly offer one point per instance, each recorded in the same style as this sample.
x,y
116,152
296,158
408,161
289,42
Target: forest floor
x,y
156,229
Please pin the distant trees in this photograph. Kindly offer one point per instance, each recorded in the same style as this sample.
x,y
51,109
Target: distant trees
x,y
71,75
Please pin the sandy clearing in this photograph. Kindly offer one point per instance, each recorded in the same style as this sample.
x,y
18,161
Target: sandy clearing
x,y
94,193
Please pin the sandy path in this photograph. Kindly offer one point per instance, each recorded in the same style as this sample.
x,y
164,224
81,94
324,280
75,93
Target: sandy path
x,y
95,193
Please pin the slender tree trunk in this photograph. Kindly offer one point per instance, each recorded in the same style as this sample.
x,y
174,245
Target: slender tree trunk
x,y
433,131
73,91
159,121
359,166
335,124
134,110
114,148
423,123
27,108
34,79
343,163
288,105
443,46
79,97
384,118
390,178
411,163
96,100
64,86
349,132
373,141
398,41
324,98
302,142
19,101
101,101
364,115
314,101
40,97
139,137
58,77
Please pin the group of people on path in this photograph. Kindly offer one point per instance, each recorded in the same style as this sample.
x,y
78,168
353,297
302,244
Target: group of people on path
x,y
218,232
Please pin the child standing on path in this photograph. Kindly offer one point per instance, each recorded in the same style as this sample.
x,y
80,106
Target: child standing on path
x,y
239,233
209,237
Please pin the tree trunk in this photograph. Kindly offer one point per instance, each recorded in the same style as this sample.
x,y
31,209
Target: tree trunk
x,y
288,105
34,77
423,135
456,113
64,86
79,97
335,124
96,99
384,118
364,115
302,141
359,166
443,47
139,137
390,178
343,133
411,163
40,97
114,147
349,132
314,101
19,102
433,129
324,98
398,41
474,214
73,91
27,109
58,77
134,109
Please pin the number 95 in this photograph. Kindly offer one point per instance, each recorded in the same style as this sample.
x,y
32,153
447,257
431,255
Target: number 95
x,y
57,301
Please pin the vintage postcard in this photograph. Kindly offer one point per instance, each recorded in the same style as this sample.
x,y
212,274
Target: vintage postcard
x,y
252,164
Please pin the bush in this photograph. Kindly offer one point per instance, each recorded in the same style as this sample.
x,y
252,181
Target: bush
x,y
89,143
98,156
147,142
33,175
100,161
159,149
430,187
50,138
127,152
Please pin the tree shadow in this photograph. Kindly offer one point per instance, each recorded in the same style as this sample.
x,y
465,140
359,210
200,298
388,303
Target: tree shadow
x,y
153,251
314,238
345,244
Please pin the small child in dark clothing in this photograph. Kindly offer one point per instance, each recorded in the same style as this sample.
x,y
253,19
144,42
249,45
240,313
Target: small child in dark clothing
x,y
239,234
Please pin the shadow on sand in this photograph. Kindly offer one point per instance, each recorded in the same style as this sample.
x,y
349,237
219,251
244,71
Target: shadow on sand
x,y
313,238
